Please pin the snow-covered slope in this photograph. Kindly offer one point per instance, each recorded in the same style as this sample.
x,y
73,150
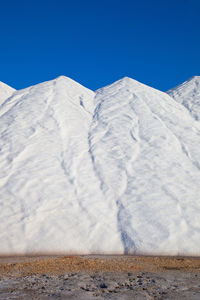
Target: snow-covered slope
x,y
116,171
5,92
188,93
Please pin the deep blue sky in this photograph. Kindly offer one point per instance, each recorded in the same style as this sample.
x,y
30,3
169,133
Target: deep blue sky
x,y
96,42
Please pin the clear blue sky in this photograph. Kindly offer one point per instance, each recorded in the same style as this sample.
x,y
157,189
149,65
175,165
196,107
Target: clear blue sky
x,y
96,42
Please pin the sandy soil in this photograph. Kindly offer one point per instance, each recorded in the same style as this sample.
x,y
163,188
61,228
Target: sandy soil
x,y
99,277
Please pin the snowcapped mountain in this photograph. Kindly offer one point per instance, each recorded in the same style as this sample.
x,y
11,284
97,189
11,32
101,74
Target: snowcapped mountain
x,y
188,93
5,92
116,171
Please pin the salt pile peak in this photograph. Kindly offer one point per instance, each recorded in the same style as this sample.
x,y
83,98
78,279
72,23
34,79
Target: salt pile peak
x,y
146,147
115,171
5,92
188,93
50,197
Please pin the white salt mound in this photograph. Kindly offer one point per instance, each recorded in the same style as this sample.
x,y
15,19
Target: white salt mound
x,y
5,92
188,93
116,171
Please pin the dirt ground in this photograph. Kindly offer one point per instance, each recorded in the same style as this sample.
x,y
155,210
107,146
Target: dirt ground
x,y
99,277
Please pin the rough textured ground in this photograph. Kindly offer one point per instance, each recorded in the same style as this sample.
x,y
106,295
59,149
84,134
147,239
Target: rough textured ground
x,y
99,277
